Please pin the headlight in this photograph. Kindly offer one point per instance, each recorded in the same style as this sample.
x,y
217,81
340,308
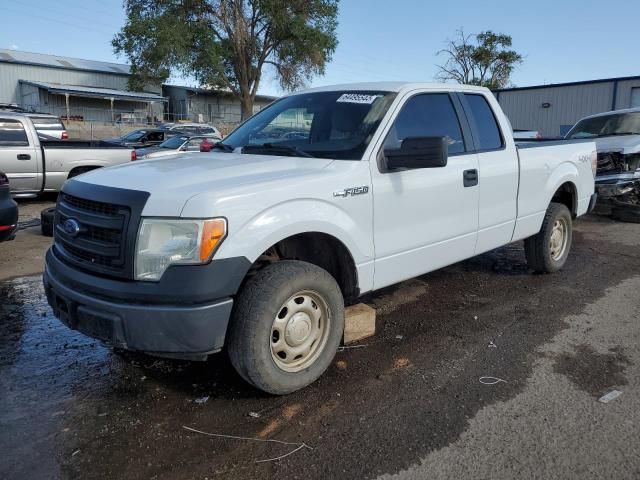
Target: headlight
x,y
163,242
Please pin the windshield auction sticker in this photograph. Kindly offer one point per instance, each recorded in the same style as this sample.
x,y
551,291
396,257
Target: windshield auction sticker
x,y
357,98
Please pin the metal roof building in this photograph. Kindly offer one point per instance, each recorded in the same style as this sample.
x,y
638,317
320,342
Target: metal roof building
x,y
74,88
554,109
207,105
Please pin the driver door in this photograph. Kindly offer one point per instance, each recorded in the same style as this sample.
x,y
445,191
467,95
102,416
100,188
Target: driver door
x,y
425,218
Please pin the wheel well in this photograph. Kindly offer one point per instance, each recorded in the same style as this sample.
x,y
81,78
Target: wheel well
x,y
322,250
566,195
80,170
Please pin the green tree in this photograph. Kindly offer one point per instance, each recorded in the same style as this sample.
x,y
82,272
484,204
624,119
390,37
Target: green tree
x,y
227,44
484,59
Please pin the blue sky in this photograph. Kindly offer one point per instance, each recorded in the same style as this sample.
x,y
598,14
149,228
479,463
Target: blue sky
x,y
562,40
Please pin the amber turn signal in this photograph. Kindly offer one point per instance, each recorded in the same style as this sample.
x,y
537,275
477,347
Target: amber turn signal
x,y
213,232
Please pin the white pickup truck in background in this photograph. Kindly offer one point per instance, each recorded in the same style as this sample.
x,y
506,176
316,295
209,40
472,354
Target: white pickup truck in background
x,y
322,196
34,165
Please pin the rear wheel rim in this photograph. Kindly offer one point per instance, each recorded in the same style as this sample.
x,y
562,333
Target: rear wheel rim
x,y
300,331
559,239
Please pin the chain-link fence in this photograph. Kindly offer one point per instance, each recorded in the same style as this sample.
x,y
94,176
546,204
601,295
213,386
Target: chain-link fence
x,y
100,123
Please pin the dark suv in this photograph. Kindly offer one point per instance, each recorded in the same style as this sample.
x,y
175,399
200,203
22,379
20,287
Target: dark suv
x,y
8,211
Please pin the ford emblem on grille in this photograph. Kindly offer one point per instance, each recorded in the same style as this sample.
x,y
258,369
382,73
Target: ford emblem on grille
x,y
71,227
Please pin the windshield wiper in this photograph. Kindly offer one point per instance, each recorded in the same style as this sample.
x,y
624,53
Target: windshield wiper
x,y
223,146
615,134
275,149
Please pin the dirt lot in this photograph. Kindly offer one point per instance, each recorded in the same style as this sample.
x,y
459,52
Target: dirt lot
x,y
407,404
25,255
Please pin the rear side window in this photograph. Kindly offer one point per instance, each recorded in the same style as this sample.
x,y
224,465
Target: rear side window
x,y
12,133
427,115
155,136
486,124
47,123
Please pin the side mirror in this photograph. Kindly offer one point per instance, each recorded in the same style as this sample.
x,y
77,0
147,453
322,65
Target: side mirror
x,y
418,152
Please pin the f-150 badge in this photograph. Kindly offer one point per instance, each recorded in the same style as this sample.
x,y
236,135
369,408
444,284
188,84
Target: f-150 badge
x,y
351,191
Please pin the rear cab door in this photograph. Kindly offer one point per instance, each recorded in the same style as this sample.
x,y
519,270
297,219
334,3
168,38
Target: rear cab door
x,y
498,170
20,155
424,218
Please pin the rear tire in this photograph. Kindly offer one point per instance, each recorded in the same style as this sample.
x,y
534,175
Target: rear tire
x,y
548,250
46,221
287,325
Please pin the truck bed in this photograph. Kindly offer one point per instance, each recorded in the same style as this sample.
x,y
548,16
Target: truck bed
x,y
75,144
543,165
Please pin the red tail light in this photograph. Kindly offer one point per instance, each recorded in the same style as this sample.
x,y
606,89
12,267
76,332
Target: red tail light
x,y
134,155
65,136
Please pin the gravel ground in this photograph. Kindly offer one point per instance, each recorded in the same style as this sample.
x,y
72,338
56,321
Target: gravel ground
x,y
408,404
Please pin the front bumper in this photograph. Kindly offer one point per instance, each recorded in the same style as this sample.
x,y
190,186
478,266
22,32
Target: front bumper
x,y
592,203
132,321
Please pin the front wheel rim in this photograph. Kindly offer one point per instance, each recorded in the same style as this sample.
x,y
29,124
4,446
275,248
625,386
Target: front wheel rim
x,y
559,239
300,331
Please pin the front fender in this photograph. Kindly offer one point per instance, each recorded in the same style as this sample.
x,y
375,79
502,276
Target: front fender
x,y
289,218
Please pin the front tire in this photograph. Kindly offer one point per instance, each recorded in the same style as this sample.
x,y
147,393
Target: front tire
x,y
286,328
548,250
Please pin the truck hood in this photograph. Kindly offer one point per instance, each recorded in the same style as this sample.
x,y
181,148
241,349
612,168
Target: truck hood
x,y
174,180
627,143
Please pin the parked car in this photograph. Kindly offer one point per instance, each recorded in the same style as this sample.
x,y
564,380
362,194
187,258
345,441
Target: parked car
x,y
177,145
192,128
258,251
8,211
145,137
46,124
617,136
520,135
49,125
35,166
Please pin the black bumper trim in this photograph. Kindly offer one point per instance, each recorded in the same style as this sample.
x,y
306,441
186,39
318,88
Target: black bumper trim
x,y
592,202
184,315
195,330
180,284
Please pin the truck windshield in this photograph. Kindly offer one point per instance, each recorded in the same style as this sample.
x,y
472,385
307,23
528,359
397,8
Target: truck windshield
x,y
335,125
607,125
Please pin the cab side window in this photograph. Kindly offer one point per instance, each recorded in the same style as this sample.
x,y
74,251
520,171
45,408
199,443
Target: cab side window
x,y
489,137
12,133
193,145
427,115
155,136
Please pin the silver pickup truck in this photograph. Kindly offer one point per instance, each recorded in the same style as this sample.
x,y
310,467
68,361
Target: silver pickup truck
x,y
34,165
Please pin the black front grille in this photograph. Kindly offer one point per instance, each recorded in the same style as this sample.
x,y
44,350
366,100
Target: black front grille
x,y
99,244
610,163
100,208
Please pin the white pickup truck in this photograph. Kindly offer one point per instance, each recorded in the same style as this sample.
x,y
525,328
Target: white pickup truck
x,y
34,165
322,196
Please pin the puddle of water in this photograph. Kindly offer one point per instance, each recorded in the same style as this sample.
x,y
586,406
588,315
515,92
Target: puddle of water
x,y
592,371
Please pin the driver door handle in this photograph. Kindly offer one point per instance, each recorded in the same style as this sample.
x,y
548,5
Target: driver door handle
x,y
470,178
24,156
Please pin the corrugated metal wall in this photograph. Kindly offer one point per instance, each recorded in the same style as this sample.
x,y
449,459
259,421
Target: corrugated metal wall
x,y
567,104
11,73
623,99
209,107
